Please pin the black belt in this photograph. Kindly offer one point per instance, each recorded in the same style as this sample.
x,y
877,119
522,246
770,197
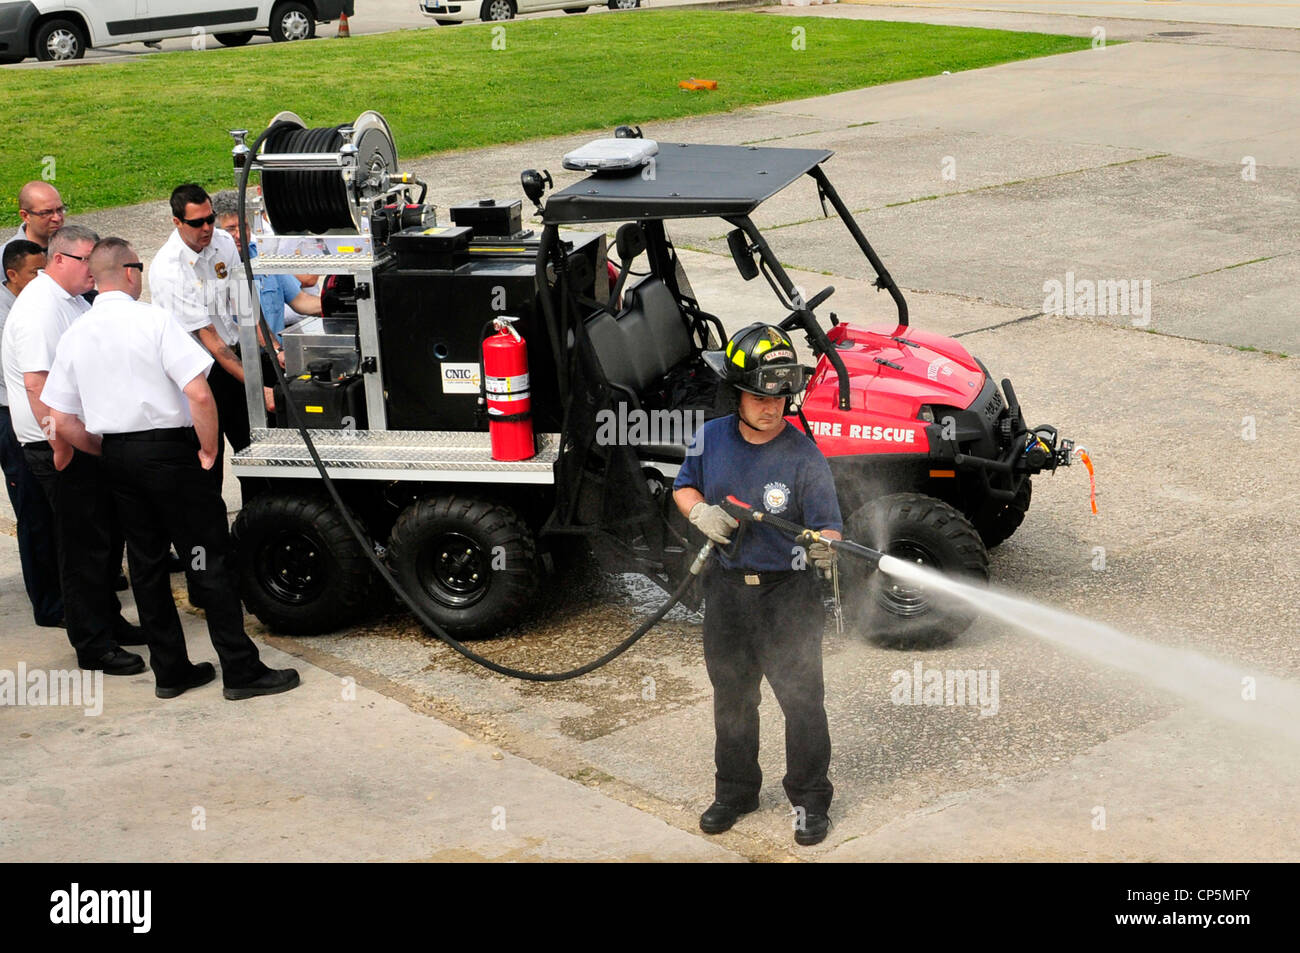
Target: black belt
x,y
751,577
165,433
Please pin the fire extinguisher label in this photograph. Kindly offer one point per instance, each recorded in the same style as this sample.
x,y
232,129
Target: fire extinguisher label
x,y
507,388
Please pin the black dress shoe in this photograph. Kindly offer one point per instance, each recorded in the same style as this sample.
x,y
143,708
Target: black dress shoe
x,y
814,830
127,634
721,817
116,662
200,674
121,585
272,683
56,623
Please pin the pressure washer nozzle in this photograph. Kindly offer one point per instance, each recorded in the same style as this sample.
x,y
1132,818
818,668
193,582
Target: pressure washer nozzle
x,y
701,558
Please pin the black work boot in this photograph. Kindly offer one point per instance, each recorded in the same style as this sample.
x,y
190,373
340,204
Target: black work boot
x,y
813,831
721,817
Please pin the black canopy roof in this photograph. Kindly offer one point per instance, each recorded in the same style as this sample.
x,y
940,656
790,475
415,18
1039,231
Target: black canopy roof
x,y
690,181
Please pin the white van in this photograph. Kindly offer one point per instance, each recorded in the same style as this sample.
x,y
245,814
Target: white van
x,y
65,29
447,12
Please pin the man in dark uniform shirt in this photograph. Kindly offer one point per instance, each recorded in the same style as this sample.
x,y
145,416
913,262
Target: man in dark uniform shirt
x,y
763,612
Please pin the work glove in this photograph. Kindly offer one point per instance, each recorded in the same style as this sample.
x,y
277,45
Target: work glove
x,y
822,556
713,522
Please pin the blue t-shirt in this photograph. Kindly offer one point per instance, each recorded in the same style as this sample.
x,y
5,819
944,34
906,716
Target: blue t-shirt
x,y
274,292
787,476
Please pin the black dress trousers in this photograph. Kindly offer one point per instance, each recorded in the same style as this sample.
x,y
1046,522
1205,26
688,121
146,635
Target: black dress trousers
x,y
165,497
37,549
232,409
775,630
89,555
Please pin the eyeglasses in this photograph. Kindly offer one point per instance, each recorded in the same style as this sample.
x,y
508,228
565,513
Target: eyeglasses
x,y
46,213
78,257
199,222
137,265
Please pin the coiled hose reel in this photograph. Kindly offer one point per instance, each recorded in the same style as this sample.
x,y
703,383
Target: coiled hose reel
x,y
352,169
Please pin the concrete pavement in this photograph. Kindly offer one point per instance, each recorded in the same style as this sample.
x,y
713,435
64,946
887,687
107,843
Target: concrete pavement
x,y
1263,13
332,771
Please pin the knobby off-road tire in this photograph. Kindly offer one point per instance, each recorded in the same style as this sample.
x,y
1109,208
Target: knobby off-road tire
x,y
916,528
997,521
301,571
470,564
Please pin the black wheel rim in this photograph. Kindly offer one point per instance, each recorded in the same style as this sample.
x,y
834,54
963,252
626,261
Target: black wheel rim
x,y
291,567
896,598
454,570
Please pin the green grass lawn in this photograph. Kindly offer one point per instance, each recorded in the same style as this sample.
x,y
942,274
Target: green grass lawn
x,y
127,132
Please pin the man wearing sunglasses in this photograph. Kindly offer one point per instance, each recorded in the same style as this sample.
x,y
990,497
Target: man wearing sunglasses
x,y
157,434
42,210
88,554
195,277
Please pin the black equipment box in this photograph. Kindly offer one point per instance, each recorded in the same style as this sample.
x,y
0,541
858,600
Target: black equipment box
x,y
490,217
432,322
435,247
329,404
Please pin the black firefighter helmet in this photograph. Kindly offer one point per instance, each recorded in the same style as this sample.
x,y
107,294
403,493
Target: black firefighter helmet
x,y
760,359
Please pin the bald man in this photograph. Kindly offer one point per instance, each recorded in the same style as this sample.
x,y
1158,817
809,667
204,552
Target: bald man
x,y
42,210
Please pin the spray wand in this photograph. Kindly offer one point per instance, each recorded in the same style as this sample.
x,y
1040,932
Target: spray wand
x,y
738,509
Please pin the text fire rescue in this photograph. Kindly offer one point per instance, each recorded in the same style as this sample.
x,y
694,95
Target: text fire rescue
x,y
824,428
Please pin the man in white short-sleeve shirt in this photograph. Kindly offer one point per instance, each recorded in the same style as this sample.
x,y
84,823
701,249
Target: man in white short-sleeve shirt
x,y
22,261
130,384
194,277
87,539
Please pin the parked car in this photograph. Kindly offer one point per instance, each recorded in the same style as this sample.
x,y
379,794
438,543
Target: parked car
x,y
448,12
65,29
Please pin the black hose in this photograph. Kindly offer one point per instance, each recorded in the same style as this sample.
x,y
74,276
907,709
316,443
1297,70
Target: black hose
x,y
367,545
305,200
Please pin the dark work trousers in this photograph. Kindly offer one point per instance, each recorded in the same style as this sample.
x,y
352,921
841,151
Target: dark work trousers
x,y
89,548
773,629
232,409
37,550
165,497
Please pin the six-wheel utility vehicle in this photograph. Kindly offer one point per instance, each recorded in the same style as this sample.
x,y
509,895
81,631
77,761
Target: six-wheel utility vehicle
x,y
932,460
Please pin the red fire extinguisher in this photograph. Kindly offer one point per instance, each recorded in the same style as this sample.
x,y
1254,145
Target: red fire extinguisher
x,y
505,383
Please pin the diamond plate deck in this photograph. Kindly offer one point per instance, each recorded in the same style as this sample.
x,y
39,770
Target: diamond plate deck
x,y
393,454
345,263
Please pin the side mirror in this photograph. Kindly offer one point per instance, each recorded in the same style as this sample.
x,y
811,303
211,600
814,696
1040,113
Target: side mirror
x,y
535,184
741,254
630,241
